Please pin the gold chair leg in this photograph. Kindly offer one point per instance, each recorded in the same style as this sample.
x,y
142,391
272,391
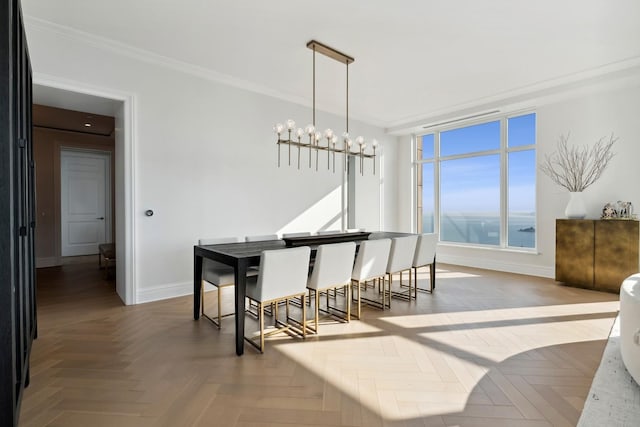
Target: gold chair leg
x,y
347,294
317,313
274,310
359,307
304,318
261,316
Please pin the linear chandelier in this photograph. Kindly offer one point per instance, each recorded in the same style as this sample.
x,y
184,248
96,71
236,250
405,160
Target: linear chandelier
x,y
317,141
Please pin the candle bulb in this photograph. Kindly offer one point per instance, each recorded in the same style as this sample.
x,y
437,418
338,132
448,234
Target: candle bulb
x,y
290,126
310,129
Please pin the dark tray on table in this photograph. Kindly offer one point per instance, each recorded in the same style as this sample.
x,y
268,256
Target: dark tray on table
x,y
326,238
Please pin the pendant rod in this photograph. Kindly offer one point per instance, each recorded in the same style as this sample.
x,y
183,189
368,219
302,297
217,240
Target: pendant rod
x,y
347,115
314,87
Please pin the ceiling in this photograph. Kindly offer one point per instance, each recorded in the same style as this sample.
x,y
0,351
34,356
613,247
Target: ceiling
x,y
414,59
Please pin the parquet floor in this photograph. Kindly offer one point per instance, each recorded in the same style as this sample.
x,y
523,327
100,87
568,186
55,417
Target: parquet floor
x,y
487,349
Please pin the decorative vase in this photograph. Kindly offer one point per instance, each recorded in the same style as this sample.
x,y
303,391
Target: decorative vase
x,y
575,208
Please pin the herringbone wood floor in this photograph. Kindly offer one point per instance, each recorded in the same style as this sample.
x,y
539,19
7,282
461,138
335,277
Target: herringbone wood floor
x,y
486,349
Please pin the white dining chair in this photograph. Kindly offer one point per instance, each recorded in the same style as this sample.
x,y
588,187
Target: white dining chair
x,y
401,257
370,264
282,276
261,238
217,274
425,256
298,234
332,269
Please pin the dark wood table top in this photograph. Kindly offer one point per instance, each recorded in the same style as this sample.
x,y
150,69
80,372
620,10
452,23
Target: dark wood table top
x,y
252,250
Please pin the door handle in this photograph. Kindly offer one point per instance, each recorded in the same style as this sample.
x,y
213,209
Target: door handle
x,y
101,218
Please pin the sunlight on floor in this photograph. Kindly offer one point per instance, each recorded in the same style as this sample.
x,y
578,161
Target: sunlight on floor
x,y
433,363
474,318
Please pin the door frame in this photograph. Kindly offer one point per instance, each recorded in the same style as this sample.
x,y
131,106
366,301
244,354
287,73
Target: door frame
x,y
107,177
124,156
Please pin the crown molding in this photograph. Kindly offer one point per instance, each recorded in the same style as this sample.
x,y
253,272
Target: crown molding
x,y
33,23
618,74
152,58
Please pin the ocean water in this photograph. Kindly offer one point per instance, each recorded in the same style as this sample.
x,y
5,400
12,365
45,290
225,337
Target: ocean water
x,y
484,229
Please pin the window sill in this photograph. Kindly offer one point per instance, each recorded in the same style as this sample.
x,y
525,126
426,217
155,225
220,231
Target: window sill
x,y
525,251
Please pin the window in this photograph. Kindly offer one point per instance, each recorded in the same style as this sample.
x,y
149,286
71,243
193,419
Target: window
x,y
476,184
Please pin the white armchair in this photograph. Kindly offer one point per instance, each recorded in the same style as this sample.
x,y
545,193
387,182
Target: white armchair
x,y
401,257
371,263
281,277
426,256
332,269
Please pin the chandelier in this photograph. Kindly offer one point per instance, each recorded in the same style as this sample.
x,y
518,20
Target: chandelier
x,y
315,141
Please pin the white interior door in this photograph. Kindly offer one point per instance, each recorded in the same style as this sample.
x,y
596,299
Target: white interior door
x,y
85,201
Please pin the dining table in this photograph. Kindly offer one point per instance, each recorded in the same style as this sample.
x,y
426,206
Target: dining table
x,y
245,255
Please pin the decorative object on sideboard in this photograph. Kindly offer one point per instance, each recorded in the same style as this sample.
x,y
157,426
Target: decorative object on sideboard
x,y
609,211
575,208
576,168
618,210
625,210
334,145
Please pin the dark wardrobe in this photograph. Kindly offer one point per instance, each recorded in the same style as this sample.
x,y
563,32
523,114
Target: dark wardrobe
x,y
17,220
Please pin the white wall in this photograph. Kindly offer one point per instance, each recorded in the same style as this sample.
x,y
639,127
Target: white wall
x,y
205,159
589,112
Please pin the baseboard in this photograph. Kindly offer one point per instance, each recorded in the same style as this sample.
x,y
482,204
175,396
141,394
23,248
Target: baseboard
x,y
161,292
175,290
48,262
489,264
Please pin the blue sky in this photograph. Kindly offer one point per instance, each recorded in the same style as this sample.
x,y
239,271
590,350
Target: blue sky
x,y
472,184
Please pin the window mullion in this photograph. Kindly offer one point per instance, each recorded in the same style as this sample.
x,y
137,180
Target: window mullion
x,y
436,183
504,185
473,154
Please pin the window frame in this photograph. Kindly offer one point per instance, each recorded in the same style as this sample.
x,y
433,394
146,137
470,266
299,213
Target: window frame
x,y
503,151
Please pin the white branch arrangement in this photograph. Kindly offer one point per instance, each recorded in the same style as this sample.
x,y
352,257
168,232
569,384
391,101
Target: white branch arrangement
x,y
576,168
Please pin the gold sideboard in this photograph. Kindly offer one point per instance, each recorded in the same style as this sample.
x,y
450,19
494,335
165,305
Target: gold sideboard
x,y
596,254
